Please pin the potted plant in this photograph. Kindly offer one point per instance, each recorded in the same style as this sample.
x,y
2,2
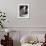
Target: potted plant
x,y
2,19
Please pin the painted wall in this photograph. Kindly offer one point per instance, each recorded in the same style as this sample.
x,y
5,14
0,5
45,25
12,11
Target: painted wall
x,y
37,13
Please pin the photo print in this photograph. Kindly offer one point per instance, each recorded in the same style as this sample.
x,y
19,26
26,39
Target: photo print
x,y
23,11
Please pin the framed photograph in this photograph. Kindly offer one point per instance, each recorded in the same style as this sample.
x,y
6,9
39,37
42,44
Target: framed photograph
x,y
23,10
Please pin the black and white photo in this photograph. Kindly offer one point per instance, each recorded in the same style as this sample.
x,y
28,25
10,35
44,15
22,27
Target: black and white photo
x,y
23,11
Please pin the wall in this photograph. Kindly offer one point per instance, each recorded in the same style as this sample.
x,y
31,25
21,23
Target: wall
x,y
37,13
